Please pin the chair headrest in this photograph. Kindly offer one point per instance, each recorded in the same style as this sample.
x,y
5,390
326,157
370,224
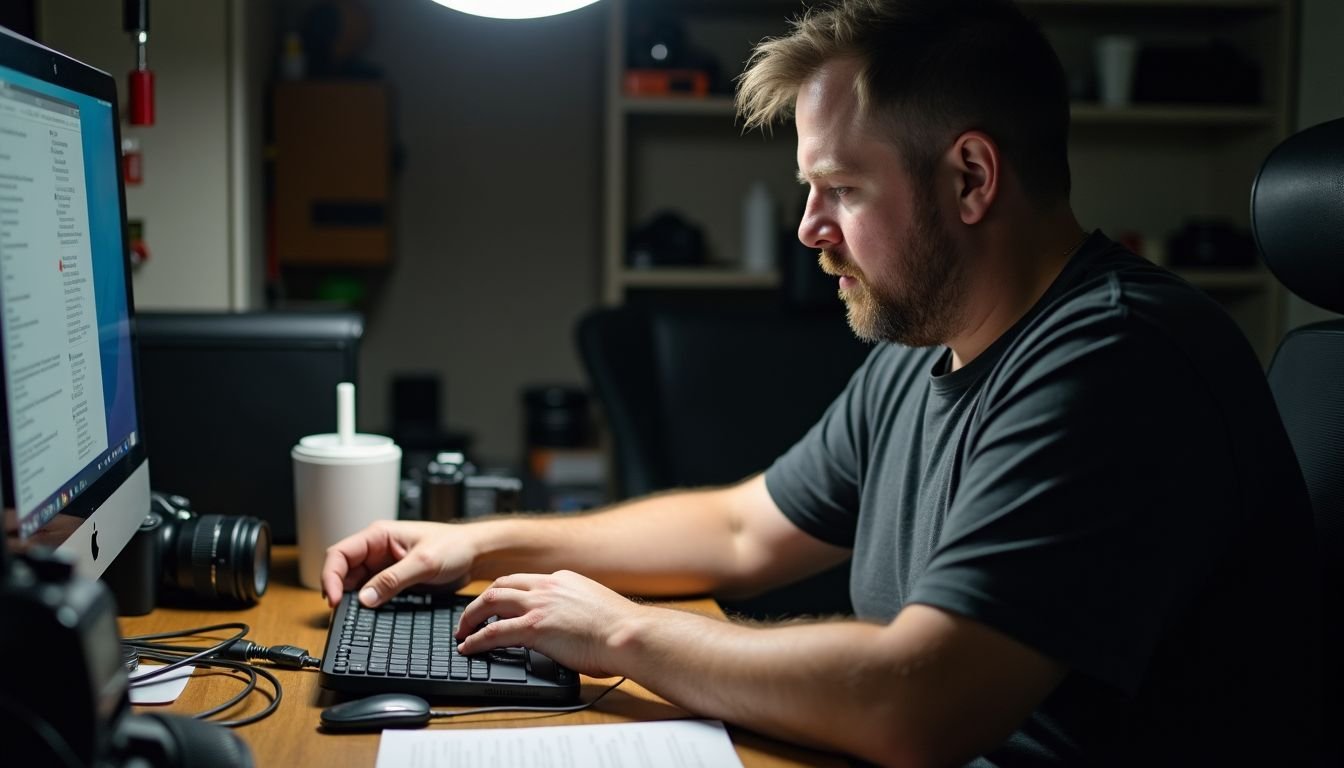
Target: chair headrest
x,y
1297,214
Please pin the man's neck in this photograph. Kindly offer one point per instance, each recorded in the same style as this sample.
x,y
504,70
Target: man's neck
x,y
1016,269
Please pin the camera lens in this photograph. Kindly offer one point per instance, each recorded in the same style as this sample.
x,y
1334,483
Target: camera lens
x,y
221,556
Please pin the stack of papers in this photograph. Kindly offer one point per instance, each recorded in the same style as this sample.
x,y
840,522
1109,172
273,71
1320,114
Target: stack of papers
x,y
662,744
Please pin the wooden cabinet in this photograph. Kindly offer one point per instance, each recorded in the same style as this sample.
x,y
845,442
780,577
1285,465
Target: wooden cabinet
x,y
332,174
1140,171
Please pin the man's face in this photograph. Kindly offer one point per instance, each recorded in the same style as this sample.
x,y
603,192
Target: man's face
x,y
901,275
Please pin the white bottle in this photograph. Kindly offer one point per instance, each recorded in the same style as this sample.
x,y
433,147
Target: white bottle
x,y
760,231
293,64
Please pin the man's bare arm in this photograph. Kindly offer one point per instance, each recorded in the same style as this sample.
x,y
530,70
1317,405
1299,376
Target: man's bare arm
x,y
727,541
930,688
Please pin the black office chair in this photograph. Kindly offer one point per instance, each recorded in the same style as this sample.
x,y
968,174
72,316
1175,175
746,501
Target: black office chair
x,y
1297,215
700,396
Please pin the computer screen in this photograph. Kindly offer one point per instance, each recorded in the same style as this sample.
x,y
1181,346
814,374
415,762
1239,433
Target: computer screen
x,y
227,395
72,462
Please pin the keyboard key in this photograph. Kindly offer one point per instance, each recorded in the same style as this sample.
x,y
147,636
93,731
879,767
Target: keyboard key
x,y
507,673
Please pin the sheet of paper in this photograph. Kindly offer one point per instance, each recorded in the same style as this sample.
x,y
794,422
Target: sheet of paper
x,y
662,744
163,689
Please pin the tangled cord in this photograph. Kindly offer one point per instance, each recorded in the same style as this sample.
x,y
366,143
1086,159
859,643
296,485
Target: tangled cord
x,y
234,654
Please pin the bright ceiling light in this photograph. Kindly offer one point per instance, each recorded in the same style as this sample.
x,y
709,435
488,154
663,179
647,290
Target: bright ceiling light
x,y
514,9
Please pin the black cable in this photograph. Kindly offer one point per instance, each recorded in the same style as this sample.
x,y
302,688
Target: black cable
x,y
234,701
276,689
289,656
235,653
140,642
445,713
232,654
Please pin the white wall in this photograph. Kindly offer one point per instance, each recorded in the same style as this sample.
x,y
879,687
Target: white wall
x,y
496,214
1320,98
185,200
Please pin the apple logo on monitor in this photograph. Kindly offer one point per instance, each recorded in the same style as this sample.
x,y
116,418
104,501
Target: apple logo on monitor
x,y
93,541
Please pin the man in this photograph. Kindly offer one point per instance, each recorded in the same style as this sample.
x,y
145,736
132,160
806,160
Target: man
x,y
1079,534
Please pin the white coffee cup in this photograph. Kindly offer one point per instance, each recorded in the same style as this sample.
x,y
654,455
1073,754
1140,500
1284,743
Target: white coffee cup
x,y
1116,57
342,484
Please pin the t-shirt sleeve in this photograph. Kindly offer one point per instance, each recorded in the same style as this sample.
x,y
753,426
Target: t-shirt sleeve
x,y
816,482
1071,528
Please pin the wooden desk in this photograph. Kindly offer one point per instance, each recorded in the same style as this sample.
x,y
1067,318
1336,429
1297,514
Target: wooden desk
x,y
292,615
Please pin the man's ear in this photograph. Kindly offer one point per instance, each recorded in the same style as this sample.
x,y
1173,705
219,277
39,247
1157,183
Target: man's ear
x,y
977,165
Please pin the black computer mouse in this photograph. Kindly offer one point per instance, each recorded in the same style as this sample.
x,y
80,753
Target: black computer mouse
x,y
386,710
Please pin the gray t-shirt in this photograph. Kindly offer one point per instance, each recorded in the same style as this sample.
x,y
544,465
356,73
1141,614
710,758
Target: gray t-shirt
x,y
1108,483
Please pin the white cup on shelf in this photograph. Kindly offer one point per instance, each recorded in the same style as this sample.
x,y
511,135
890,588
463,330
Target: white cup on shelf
x,y
1116,56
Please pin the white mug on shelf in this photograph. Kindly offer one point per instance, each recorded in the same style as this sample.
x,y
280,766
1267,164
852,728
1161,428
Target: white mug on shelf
x,y
1116,56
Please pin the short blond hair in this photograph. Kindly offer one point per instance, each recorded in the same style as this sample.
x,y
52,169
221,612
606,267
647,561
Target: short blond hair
x,y
928,70
778,67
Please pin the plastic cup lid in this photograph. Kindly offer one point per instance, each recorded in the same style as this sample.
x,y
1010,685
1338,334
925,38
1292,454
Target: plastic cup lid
x,y
361,446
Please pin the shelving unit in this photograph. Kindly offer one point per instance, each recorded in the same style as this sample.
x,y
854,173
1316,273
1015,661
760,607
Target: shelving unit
x,y
1142,170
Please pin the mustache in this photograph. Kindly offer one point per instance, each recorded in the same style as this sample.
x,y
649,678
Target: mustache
x,y
837,267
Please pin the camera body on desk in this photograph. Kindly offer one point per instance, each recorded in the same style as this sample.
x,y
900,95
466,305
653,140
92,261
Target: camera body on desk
x,y
446,486
70,705
182,557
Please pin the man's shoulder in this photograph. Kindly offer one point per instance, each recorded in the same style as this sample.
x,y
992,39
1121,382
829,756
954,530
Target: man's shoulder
x,y
1110,276
1117,297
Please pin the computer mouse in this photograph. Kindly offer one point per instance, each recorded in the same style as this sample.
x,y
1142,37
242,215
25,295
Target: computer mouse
x,y
371,713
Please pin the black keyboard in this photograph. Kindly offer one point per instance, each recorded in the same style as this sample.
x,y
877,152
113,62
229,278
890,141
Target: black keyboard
x,y
406,645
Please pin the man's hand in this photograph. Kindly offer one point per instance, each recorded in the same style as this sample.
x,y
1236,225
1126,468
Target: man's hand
x,y
570,618
388,557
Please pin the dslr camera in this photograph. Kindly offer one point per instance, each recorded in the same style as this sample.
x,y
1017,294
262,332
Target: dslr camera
x,y
76,711
181,557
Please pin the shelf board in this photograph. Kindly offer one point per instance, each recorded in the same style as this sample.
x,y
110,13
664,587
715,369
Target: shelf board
x,y
1214,279
1083,113
678,105
793,6
1267,5
697,277
1172,115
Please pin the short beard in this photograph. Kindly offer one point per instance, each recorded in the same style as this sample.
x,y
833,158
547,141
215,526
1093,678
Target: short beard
x,y
926,310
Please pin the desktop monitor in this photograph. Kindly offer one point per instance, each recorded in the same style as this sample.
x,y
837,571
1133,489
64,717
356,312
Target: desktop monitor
x,y
72,462
227,395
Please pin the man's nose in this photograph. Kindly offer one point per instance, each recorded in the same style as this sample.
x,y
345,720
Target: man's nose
x,y
817,229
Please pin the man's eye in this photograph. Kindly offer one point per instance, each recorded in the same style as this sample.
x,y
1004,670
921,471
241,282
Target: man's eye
x,y
839,192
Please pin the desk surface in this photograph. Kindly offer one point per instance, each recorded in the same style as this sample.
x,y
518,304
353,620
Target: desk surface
x,y
290,614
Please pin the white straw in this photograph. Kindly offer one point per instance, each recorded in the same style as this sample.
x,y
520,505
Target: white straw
x,y
345,412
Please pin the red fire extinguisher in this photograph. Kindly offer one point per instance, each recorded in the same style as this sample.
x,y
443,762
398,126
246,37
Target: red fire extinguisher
x,y
140,88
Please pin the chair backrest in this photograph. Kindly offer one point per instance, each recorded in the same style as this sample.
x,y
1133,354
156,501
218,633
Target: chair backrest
x,y
1297,216
701,396
698,396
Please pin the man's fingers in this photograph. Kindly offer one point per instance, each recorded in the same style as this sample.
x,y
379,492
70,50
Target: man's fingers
x,y
518,580
499,634
408,571
352,558
500,601
333,584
